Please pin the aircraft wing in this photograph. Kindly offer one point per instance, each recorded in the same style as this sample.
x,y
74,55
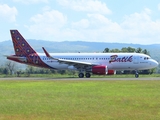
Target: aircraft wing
x,y
69,62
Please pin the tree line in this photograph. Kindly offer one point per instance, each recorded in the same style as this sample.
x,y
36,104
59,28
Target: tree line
x,y
127,50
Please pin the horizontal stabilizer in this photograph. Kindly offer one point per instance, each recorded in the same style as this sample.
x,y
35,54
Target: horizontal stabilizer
x,y
16,57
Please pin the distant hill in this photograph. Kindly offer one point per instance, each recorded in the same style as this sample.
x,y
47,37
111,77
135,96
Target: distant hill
x,y
77,46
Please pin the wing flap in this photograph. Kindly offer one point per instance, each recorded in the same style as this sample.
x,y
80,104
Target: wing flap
x,y
73,62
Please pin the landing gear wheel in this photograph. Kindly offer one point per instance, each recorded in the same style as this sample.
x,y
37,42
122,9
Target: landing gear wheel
x,y
81,75
88,75
136,75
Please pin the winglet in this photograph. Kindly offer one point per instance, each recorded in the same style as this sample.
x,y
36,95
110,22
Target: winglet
x,y
48,55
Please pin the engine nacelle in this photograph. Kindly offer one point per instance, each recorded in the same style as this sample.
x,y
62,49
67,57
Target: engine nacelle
x,y
72,68
111,72
99,70
102,70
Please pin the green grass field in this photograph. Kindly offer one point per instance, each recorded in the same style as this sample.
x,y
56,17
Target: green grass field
x,y
80,100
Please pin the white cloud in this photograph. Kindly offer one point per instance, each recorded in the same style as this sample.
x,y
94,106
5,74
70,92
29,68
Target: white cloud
x,y
139,28
84,23
137,18
48,23
92,6
100,21
8,13
31,1
135,28
97,28
46,8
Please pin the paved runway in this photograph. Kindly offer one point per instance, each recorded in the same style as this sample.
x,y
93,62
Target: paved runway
x,y
83,79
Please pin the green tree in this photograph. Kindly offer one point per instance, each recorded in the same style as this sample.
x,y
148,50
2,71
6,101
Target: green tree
x,y
146,52
62,72
1,70
5,71
124,49
130,49
138,50
106,50
53,71
41,71
30,69
115,50
11,66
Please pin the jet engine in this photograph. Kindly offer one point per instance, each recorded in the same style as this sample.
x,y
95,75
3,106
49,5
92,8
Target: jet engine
x,y
111,72
102,70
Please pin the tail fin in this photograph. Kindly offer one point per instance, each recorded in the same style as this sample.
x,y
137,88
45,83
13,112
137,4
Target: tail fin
x,y
21,46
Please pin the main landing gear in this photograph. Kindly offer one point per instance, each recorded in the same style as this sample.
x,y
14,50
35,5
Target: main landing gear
x,y
136,74
81,75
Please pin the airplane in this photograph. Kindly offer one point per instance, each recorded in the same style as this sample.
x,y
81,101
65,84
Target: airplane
x,y
85,63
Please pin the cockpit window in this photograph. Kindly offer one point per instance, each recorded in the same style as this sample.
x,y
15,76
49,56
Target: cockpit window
x,y
146,58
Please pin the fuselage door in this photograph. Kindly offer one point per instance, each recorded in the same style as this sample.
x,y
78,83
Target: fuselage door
x,y
136,59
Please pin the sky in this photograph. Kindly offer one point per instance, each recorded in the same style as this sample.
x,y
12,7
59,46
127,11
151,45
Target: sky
x,y
114,21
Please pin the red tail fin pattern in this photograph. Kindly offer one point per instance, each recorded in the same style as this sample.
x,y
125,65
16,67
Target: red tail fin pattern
x,y
21,47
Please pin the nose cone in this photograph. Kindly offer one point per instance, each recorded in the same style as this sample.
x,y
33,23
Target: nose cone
x,y
154,63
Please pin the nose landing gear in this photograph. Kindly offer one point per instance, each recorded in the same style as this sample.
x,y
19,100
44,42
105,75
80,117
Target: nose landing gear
x,y
136,74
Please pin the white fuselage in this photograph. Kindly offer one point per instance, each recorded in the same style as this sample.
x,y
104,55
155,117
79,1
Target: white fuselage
x,y
113,61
